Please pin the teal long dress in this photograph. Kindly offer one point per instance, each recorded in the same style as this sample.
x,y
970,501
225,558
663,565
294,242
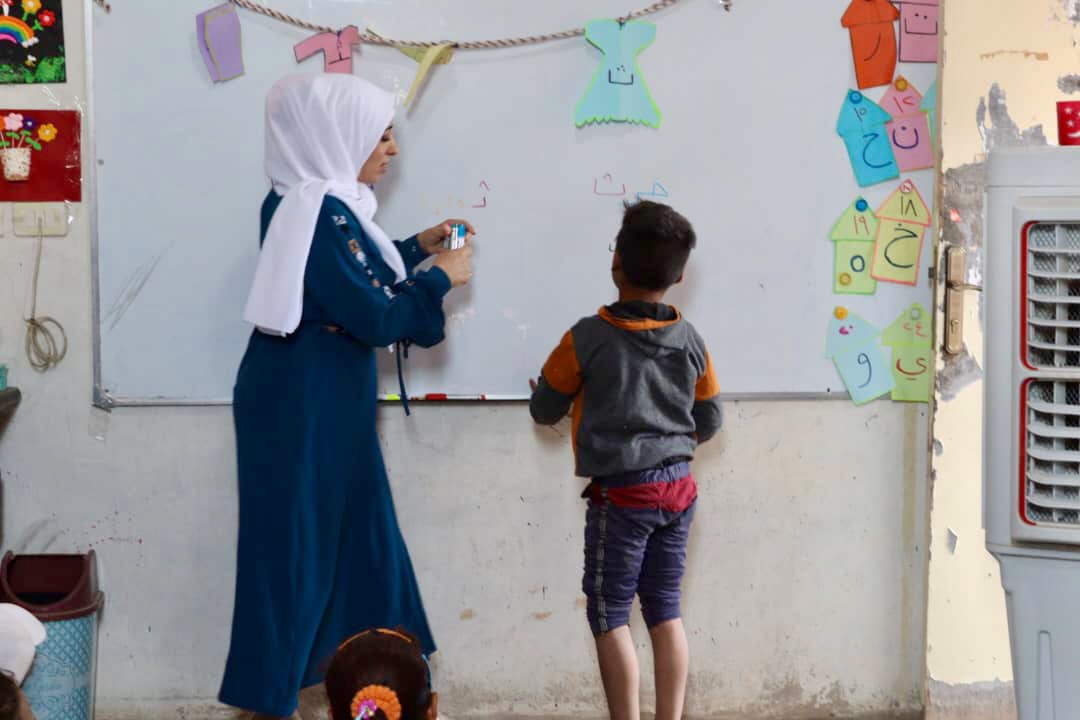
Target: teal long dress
x,y
320,554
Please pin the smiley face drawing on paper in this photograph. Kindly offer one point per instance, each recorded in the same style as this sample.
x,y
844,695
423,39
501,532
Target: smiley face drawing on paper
x,y
920,24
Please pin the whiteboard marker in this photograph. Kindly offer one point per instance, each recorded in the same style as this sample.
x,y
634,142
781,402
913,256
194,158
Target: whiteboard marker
x,y
456,240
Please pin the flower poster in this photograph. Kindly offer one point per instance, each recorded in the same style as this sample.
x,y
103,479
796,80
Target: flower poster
x,y
40,156
31,42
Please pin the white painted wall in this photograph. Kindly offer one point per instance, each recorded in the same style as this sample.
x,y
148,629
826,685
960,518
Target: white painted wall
x,y
805,589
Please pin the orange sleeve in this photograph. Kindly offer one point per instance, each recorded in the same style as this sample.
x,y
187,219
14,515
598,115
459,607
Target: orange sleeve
x,y
707,385
562,371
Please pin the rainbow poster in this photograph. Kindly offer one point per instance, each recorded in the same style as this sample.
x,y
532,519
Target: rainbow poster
x,y
32,42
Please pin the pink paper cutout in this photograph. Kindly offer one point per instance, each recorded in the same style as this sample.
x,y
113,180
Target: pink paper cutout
x,y
337,49
920,22
909,130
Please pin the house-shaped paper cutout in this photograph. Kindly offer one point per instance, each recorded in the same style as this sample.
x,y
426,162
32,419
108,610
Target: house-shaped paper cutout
x,y
873,40
905,205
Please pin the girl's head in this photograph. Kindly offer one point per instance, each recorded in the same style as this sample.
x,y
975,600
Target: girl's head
x,y
330,127
13,704
381,675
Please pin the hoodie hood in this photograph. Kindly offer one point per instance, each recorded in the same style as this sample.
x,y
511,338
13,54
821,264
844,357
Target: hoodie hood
x,y
652,328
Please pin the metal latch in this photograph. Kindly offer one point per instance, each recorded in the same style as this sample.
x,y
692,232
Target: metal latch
x,y
955,285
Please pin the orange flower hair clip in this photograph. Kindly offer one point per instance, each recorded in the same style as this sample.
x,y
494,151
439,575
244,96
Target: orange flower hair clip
x,y
376,697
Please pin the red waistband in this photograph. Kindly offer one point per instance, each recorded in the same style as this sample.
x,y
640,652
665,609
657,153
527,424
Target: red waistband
x,y
674,496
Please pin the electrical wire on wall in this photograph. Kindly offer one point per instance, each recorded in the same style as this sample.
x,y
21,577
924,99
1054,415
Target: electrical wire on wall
x,y
46,341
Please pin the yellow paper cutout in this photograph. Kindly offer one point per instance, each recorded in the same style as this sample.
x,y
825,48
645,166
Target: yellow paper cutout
x,y
851,268
905,204
897,252
912,373
438,55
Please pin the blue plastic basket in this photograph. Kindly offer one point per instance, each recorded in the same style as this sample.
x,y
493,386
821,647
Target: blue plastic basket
x,y
61,591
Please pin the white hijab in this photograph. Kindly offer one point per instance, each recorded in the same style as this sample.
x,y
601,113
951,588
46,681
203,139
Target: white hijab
x,y
20,634
320,129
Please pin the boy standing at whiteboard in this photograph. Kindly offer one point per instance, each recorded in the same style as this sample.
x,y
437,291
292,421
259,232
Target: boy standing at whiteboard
x,y
643,393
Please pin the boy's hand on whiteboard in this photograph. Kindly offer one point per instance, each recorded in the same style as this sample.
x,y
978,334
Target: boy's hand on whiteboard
x,y
534,384
433,239
457,264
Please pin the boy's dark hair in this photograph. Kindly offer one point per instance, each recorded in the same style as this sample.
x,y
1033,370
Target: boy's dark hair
x,y
9,697
390,658
654,244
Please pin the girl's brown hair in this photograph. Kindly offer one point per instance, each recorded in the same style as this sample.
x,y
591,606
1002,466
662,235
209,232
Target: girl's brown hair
x,y
9,697
380,658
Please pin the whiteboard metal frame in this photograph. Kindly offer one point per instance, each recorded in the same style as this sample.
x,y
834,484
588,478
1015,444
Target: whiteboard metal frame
x,y
106,402
100,398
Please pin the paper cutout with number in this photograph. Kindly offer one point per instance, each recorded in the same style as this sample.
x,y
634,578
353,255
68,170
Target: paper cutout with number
x,y
618,92
929,106
920,21
873,40
218,33
853,248
911,327
909,130
337,49
862,126
852,345
903,219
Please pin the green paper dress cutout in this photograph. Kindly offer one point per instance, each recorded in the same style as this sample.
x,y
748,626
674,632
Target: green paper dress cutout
x,y
618,92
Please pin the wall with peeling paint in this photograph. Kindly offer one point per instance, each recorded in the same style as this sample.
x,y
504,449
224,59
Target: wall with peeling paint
x,y
1005,65
804,594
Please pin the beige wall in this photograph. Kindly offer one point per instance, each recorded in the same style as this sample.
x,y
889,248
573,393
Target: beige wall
x,y
1003,61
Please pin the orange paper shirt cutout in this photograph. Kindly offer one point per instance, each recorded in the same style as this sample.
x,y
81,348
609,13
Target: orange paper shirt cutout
x,y
873,40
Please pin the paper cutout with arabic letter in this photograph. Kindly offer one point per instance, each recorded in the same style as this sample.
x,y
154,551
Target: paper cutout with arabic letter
x,y
873,40
852,345
862,126
903,220
218,33
912,374
909,130
910,337
853,248
618,92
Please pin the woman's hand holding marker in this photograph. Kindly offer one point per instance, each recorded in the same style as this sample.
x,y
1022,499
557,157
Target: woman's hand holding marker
x,y
433,239
457,264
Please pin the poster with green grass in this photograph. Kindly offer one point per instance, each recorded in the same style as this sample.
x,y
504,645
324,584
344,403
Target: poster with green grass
x,y
31,42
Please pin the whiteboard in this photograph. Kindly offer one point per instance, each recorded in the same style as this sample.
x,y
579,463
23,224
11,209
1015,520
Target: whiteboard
x,y
747,151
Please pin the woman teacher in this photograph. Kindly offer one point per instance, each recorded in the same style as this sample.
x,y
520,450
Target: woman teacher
x,y
320,554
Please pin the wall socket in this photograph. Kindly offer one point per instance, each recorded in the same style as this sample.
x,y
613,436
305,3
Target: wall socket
x,y
53,217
